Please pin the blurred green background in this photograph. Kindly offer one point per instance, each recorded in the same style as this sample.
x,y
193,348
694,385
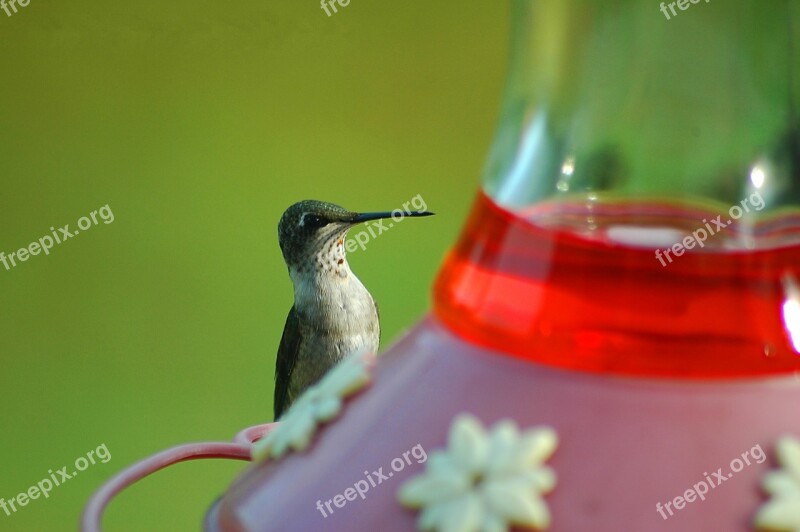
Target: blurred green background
x,y
198,124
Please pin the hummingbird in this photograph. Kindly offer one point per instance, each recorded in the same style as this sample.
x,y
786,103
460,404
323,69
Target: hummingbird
x,y
333,314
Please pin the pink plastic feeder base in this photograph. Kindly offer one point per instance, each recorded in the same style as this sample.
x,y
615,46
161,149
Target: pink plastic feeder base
x,y
625,444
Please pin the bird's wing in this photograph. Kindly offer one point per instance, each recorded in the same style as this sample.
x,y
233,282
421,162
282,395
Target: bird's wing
x,y
378,315
286,360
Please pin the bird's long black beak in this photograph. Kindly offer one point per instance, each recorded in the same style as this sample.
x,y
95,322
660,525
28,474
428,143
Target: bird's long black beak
x,y
367,216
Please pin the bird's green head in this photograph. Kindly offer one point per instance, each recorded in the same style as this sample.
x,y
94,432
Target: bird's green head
x,y
310,227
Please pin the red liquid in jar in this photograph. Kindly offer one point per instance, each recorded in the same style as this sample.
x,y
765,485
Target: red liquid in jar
x,y
553,287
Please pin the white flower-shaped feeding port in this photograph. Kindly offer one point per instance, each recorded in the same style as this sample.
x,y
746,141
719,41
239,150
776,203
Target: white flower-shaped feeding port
x,y
320,403
485,480
782,510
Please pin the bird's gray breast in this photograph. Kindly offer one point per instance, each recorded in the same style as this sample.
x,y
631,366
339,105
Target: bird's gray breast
x,y
336,317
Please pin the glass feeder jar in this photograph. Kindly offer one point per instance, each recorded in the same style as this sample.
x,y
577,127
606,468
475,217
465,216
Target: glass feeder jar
x,y
629,276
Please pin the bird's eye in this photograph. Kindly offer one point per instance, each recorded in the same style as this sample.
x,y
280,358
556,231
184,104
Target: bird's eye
x,y
312,221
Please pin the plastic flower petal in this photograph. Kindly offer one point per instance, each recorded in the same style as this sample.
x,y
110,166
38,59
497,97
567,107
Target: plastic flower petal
x,y
484,480
320,403
468,444
782,510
